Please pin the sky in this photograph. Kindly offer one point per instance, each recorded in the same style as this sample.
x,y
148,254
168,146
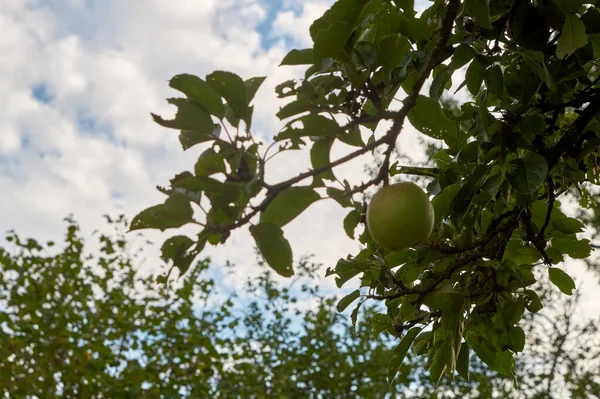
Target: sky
x,y
79,78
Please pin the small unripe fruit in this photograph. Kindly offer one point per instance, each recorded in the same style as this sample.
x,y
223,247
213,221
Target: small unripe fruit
x,y
400,215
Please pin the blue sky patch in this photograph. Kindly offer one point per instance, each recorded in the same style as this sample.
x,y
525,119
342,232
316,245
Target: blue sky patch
x,y
88,125
268,36
42,93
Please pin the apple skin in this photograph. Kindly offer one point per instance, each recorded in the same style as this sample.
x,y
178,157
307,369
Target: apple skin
x,y
400,215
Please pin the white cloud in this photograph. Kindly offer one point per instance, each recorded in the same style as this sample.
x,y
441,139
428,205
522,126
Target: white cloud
x,y
296,25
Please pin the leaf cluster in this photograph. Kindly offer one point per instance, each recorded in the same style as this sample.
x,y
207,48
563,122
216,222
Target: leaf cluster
x,y
525,140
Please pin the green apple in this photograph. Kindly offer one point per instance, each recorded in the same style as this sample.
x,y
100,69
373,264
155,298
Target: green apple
x,y
400,215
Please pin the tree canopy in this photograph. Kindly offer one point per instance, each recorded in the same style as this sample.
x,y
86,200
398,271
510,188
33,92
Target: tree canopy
x,y
504,162
79,320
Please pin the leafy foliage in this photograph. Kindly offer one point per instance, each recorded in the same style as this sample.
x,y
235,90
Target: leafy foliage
x,y
88,325
78,324
527,136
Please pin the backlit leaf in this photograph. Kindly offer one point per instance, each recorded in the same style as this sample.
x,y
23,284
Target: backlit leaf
x,y
347,300
299,57
175,212
562,280
288,204
201,92
399,353
427,117
480,11
573,36
273,247
233,89
527,174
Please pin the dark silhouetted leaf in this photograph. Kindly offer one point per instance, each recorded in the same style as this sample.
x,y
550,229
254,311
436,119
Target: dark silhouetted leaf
x,y
347,300
273,247
175,212
288,204
299,57
201,92
427,117
562,280
572,36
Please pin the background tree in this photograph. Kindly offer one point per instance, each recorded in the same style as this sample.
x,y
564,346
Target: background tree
x,y
78,321
523,144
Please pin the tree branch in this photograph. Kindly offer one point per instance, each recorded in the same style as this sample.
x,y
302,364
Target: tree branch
x,y
551,199
389,138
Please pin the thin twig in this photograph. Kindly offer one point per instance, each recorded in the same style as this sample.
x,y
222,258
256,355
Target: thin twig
x,y
551,199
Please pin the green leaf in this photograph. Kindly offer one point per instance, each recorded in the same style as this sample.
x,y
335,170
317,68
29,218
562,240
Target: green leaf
x,y
520,254
591,20
533,304
380,323
175,212
274,247
463,54
527,174
296,107
299,57
288,204
536,62
339,196
175,246
347,300
312,125
474,77
209,162
392,50
252,86
190,116
421,343
351,221
440,82
494,80
176,249
199,91
233,89
319,157
414,28
399,258
573,36
331,32
569,6
213,188
410,271
502,362
562,280
407,5
444,300
439,360
189,138
407,310
346,269
353,137
462,363
480,11
427,117
354,313
516,336
399,353
568,225
441,202
576,249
